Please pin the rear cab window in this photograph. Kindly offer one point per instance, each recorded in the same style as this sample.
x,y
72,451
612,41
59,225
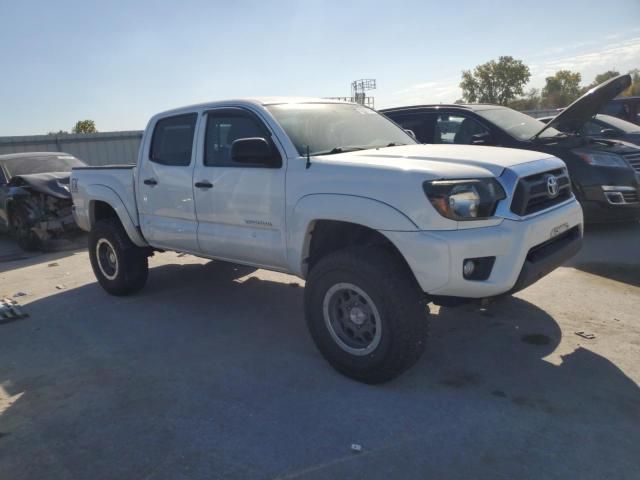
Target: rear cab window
x,y
172,140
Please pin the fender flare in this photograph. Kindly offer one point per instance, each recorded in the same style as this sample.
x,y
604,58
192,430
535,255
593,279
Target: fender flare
x,y
102,193
363,211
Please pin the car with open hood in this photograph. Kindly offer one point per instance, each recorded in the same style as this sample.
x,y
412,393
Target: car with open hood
x,y
35,202
607,126
604,172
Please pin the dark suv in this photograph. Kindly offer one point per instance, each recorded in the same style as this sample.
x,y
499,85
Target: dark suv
x,y
605,173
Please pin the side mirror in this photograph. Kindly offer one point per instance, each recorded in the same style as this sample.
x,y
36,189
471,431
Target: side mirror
x,y
609,133
254,151
411,133
481,139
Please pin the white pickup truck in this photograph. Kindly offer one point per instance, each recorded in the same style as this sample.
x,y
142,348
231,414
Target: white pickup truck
x,y
339,195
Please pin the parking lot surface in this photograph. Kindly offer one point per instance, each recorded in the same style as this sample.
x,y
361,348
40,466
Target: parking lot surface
x,y
209,372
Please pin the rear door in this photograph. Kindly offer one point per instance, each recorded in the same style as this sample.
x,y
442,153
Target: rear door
x,y
240,207
165,184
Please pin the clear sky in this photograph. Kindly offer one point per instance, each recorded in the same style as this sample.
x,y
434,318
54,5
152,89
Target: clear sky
x,y
118,62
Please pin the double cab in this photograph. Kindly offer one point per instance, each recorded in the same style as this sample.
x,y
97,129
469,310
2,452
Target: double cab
x,y
336,194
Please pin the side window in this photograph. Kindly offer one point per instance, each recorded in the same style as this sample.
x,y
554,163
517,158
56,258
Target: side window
x,y
592,128
419,123
615,109
172,140
222,130
3,179
456,129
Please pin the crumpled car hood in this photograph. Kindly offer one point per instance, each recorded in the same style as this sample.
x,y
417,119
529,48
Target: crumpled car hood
x,y
55,184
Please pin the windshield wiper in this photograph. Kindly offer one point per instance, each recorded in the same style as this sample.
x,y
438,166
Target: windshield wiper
x,y
394,144
340,150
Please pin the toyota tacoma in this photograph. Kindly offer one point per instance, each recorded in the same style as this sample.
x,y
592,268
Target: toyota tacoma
x,y
339,195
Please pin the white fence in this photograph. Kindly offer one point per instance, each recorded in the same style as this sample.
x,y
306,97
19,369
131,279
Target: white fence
x,y
107,148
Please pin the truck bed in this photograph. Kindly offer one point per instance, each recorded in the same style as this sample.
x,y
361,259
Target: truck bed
x,y
108,179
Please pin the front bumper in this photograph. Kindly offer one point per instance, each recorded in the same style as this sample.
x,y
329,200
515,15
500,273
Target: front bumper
x,y
610,195
436,258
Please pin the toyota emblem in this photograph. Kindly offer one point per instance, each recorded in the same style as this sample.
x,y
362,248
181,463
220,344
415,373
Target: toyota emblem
x,y
552,186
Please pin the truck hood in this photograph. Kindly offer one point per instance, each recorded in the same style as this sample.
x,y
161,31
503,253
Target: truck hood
x,y
442,161
573,118
55,184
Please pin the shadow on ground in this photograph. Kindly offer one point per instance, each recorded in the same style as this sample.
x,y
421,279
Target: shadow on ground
x,y
611,251
210,373
12,256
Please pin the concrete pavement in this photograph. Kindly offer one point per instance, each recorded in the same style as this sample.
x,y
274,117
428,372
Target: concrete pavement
x,y
210,373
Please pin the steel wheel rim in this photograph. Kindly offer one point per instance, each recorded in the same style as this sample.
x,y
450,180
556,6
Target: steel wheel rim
x,y
107,259
352,319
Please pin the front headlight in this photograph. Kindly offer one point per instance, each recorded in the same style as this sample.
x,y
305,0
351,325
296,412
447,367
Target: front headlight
x,y
473,199
602,159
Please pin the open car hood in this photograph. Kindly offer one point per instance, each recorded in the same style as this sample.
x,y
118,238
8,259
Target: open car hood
x,y
573,118
55,184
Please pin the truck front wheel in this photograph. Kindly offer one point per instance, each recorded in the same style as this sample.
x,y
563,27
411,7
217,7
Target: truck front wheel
x,y
120,266
366,313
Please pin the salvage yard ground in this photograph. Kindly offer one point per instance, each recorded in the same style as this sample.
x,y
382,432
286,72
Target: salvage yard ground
x,y
210,373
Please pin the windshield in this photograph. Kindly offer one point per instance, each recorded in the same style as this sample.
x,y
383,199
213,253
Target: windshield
x,y
516,124
29,165
335,127
626,127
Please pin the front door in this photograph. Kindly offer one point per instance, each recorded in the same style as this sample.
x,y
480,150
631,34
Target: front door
x,y
239,206
165,185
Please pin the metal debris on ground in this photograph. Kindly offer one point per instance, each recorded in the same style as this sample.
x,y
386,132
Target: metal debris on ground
x,y
588,336
19,294
53,264
61,286
10,310
356,447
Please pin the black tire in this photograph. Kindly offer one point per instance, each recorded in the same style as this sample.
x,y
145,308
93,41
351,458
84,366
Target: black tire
x,y
397,299
21,229
129,272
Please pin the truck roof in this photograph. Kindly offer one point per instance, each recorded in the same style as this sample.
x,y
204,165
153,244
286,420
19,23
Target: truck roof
x,y
262,101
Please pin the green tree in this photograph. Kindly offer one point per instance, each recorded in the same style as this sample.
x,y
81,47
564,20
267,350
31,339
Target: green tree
x,y
85,126
603,77
495,81
600,78
561,89
530,101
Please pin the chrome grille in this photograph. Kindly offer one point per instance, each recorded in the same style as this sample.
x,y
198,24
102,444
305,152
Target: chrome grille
x,y
531,194
634,160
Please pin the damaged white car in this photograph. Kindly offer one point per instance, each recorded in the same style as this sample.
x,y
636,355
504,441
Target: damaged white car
x,y
35,203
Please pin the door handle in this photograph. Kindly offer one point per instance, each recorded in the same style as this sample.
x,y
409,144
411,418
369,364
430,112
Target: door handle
x,y
150,181
204,184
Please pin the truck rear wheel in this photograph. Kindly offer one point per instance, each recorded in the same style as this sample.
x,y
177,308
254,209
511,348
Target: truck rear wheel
x,y
120,266
366,313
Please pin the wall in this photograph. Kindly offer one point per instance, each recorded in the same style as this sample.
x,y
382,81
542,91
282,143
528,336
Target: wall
x,y
106,148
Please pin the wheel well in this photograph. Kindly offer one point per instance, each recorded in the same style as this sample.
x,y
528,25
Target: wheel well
x,y
102,211
328,236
